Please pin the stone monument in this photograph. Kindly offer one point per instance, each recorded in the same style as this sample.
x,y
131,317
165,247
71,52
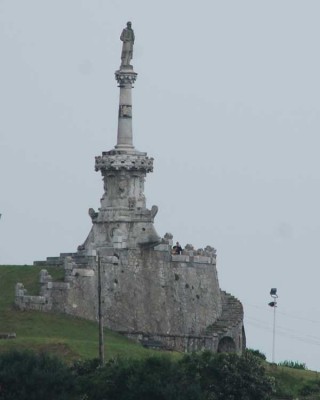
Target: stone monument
x,y
149,294
127,37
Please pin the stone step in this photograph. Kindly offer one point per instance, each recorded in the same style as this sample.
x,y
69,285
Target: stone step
x,y
231,315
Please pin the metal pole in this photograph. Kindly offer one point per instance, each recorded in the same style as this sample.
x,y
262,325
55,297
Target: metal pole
x,y
100,317
273,294
274,329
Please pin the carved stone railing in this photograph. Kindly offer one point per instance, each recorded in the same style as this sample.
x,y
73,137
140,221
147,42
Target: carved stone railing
x,y
116,162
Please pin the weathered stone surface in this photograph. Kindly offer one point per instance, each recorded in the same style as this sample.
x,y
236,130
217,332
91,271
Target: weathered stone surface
x,y
162,247
24,301
82,272
165,297
151,293
202,259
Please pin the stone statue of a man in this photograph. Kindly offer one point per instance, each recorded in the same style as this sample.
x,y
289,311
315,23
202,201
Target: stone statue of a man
x,y
127,37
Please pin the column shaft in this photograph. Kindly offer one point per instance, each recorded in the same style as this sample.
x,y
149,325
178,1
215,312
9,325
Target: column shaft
x,y
125,79
124,137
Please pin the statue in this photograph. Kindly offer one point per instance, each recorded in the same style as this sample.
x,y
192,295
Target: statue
x,y
127,37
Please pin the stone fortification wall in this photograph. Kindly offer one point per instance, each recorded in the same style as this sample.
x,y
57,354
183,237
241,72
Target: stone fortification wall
x,y
148,291
148,294
145,290
59,296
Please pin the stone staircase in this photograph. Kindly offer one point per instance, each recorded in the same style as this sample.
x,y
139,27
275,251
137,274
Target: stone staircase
x,y
231,316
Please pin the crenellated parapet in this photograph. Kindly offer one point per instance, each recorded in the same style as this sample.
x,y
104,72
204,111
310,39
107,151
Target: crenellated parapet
x,y
189,254
208,251
115,161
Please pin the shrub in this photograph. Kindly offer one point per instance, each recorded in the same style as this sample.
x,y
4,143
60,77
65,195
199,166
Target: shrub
x,y
309,388
155,378
292,364
86,367
228,376
257,353
200,376
29,376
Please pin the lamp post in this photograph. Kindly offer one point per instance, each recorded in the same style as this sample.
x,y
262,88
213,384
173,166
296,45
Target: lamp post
x,y
101,336
100,316
273,294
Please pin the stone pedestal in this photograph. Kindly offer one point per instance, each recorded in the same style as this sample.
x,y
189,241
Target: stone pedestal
x,y
122,221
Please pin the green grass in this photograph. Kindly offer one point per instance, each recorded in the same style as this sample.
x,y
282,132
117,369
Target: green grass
x,y
72,338
290,381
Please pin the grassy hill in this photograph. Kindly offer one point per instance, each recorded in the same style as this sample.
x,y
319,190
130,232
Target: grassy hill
x,y
75,338
72,338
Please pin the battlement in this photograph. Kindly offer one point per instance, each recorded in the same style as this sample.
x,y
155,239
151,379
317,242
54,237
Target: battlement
x,y
189,254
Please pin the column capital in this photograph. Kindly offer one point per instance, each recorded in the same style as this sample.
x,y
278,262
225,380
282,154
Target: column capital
x,y
125,77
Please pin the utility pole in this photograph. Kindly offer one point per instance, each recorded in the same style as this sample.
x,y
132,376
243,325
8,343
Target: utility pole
x,y
273,294
100,317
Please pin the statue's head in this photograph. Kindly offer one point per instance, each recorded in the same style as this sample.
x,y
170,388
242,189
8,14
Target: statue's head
x,y
129,24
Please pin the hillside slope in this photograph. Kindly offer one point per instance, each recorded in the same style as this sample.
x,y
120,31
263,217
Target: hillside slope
x,y
73,338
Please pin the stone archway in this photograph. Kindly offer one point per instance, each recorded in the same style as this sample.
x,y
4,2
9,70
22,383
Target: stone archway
x,y
226,345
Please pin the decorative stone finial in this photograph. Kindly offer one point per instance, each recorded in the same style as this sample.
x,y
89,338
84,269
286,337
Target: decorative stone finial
x,y
127,37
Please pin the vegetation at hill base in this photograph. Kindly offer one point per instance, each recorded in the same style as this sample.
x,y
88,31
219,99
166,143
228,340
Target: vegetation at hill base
x,y
60,352
205,376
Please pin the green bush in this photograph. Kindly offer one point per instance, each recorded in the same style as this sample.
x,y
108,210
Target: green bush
x,y
257,353
309,388
156,378
30,376
229,376
292,364
86,367
203,376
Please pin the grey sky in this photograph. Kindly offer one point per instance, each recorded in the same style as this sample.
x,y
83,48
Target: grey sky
x,y
226,101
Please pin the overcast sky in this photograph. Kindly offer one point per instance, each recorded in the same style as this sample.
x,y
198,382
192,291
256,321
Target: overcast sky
x,y
227,101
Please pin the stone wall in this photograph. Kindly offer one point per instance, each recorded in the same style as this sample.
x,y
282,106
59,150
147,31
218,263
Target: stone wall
x,y
147,291
147,294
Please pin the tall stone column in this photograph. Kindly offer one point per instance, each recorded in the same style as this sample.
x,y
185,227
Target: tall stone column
x,y
125,78
123,220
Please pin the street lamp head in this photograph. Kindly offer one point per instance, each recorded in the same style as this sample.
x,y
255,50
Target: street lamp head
x,y
273,292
